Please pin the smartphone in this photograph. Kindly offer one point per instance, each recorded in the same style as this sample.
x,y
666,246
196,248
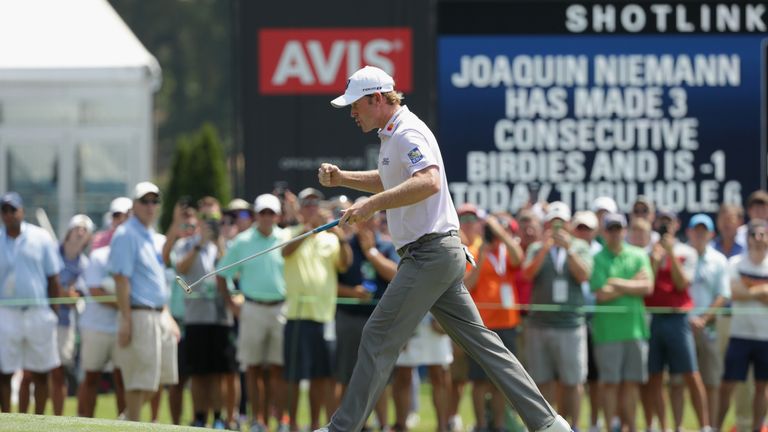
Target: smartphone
x,y
533,192
488,234
557,224
279,188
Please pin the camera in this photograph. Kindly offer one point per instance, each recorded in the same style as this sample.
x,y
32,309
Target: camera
x,y
488,234
663,229
279,188
214,226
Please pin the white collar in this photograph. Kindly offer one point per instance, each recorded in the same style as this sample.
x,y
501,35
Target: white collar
x,y
393,122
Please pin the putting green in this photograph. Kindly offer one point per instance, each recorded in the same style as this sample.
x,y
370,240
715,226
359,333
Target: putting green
x,y
38,423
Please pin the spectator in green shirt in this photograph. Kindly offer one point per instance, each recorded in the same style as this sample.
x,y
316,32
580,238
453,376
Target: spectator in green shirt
x,y
621,277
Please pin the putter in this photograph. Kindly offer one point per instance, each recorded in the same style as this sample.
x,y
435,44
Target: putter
x,y
188,287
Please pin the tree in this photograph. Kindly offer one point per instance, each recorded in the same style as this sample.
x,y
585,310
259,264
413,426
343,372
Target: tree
x,y
178,183
198,170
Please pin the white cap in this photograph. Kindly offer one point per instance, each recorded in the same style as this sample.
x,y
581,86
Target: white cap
x,y
81,220
604,203
585,217
365,81
558,210
120,205
145,188
267,201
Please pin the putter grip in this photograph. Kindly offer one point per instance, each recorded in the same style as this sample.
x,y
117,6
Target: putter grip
x,y
327,226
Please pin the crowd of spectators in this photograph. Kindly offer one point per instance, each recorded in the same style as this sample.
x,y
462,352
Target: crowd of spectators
x,y
619,307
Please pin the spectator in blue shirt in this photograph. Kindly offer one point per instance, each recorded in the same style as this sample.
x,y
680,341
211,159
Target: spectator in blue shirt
x,y
147,334
29,275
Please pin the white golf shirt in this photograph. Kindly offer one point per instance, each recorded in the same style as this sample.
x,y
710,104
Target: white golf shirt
x,y
408,146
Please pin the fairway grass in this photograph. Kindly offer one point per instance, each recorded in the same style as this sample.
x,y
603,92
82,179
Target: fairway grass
x,y
38,423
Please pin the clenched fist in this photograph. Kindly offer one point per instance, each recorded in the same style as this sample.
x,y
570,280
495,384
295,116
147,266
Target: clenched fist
x,y
329,175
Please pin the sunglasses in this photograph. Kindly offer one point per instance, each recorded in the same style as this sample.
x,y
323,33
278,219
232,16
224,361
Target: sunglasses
x,y
267,213
185,226
8,209
467,218
640,211
148,201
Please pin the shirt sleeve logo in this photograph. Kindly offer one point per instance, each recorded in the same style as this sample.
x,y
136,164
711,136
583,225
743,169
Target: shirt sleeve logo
x,y
415,155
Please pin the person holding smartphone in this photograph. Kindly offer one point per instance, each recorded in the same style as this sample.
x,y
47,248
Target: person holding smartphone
x,y
557,340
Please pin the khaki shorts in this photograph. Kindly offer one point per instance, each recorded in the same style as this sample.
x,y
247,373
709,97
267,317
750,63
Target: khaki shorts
x,y
622,361
28,339
97,349
65,337
261,334
557,354
151,358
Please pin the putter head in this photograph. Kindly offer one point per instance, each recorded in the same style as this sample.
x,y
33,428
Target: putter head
x,y
183,284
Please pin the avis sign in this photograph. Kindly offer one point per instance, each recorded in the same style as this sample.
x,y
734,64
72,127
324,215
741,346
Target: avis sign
x,y
319,60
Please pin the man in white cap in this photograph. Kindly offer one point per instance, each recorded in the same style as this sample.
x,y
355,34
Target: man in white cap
x,y
75,261
146,332
119,210
602,206
557,340
29,275
411,184
262,315
98,321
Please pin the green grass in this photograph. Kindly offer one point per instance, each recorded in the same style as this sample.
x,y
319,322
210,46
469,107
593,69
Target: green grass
x,y
35,423
106,412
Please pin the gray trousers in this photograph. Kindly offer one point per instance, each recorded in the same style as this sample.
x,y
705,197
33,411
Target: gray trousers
x,y
429,278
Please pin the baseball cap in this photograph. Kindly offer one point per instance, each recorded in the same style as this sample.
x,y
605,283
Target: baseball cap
x,y
645,201
145,188
308,192
701,219
120,205
238,204
667,213
365,81
757,197
81,220
267,202
586,218
604,203
611,220
467,208
558,210
12,199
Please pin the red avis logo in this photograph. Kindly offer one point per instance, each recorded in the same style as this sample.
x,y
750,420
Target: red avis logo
x,y
319,60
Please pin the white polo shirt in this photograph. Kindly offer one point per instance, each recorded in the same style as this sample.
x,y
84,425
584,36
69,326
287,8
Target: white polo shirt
x,y
408,146
750,318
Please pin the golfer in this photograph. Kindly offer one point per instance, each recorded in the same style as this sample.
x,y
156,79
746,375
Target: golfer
x,y
410,184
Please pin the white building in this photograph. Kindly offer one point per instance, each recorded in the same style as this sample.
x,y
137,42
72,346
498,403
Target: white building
x,y
76,89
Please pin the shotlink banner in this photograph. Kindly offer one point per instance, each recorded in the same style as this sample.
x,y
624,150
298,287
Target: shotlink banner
x,y
593,109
